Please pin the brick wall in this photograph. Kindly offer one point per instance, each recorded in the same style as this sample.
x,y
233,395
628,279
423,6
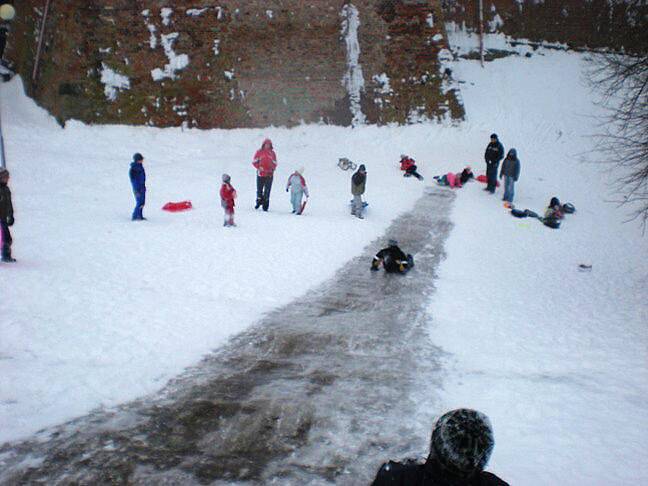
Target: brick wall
x,y
250,63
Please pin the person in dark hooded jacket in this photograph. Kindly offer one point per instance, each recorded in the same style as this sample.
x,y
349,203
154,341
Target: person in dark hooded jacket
x,y
462,442
494,153
138,181
511,172
6,216
358,185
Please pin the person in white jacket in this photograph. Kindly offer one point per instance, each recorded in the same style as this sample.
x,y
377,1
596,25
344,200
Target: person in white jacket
x,y
297,187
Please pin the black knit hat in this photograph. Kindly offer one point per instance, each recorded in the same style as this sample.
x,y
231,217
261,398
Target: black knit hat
x,y
362,168
462,441
494,135
137,157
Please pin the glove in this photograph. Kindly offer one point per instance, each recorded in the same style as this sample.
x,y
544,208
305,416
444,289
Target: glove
x,y
10,220
401,267
286,189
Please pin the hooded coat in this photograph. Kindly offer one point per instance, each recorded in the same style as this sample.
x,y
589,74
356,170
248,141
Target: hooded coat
x,y
265,159
511,165
358,182
137,177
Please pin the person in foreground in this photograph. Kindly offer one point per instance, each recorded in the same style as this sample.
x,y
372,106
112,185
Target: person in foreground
x,y
462,442
393,259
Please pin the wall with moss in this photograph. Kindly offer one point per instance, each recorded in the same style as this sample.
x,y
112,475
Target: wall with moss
x,y
232,63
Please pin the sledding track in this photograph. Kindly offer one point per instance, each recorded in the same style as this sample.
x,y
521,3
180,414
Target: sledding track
x,y
318,392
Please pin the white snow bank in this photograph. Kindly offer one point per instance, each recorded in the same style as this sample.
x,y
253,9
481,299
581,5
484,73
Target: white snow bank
x,y
555,356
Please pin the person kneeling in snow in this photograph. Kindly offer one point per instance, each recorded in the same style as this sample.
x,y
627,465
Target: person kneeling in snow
x,y
553,214
297,186
227,195
462,442
393,259
409,166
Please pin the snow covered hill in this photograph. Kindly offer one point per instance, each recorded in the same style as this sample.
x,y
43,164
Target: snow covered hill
x,y
100,310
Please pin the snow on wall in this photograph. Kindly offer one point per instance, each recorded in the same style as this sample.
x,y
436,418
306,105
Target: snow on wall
x,y
113,82
353,79
151,28
177,62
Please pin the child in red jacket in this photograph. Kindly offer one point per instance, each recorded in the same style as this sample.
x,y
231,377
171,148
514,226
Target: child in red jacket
x,y
227,195
408,165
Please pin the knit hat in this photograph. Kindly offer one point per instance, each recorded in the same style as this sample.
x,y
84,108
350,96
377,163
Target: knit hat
x,y
226,178
554,202
137,157
462,441
494,135
362,168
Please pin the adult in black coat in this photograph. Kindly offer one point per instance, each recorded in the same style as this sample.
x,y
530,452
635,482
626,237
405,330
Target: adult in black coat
x,y
462,442
6,216
494,153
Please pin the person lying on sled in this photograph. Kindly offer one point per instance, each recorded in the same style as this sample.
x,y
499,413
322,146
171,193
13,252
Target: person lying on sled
x,y
393,259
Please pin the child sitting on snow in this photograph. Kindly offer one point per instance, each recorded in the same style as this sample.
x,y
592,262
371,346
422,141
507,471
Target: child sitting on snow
x,y
297,186
227,195
553,214
408,165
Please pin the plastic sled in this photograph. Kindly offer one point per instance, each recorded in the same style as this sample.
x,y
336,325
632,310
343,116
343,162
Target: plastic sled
x,y
175,207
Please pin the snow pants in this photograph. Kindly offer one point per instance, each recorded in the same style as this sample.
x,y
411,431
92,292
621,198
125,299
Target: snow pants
x,y
296,200
412,172
491,175
229,213
5,237
356,208
264,185
509,188
140,200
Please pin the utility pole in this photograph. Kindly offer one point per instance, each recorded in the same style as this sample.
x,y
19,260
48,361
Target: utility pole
x,y
481,32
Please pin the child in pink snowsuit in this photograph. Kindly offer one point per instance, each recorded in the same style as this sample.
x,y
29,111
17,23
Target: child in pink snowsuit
x,y
227,195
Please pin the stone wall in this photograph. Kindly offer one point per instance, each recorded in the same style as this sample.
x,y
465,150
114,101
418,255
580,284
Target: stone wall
x,y
619,24
231,63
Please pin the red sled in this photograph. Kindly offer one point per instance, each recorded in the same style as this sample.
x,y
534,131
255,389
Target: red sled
x,y
303,205
482,178
176,207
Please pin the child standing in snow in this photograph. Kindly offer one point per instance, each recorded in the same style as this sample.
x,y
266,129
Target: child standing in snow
x,y
6,216
297,186
138,181
358,185
227,195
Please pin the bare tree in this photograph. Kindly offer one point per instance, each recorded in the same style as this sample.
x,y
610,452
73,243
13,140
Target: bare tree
x,y
622,81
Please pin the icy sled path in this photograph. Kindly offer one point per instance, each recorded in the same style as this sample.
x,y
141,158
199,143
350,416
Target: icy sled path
x,y
316,393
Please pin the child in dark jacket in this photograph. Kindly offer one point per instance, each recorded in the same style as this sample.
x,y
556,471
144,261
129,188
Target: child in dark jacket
x,y
138,181
227,195
6,216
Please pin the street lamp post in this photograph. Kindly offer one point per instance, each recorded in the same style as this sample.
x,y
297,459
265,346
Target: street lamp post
x,y
7,13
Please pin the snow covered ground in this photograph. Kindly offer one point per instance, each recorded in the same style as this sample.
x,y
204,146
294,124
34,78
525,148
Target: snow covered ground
x,y
100,310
